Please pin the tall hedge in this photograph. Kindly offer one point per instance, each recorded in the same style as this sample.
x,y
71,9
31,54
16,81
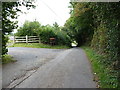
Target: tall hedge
x,y
106,38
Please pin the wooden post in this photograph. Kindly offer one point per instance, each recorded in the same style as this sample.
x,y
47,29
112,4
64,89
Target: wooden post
x,y
26,39
14,39
39,39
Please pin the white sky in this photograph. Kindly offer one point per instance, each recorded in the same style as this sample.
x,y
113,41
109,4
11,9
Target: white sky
x,y
47,12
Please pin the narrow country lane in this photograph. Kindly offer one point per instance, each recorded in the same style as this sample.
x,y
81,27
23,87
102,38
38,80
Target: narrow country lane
x,y
69,69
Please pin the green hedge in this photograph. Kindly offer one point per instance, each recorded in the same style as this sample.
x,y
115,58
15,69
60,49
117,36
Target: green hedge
x,y
60,37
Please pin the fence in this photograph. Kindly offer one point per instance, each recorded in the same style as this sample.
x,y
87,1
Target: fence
x,y
26,39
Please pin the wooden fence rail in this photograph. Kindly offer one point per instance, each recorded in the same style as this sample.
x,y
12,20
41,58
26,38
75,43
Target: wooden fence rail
x,y
26,39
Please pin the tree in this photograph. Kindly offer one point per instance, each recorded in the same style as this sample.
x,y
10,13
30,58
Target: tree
x,y
9,12
79,25
56,26
29,28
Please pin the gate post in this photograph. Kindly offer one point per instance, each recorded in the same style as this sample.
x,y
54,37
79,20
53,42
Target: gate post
x,y
26,39
14,39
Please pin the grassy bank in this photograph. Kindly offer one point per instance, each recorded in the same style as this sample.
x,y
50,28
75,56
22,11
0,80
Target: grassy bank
x,y
7,59
39,45
104,75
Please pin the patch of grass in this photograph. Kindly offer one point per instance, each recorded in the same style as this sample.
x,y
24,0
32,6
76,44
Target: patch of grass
x,y
10,41
7,59
102,73
39,45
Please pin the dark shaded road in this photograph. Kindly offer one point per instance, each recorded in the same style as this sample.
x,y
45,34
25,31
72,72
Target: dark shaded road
x,y
48,68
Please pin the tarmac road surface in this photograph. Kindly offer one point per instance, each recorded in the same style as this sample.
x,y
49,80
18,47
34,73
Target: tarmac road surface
x,y
67,68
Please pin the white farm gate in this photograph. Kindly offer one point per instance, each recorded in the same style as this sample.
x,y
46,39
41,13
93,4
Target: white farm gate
x,y
26,39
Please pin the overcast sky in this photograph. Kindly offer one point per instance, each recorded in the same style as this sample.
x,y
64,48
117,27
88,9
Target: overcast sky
x,y
47,12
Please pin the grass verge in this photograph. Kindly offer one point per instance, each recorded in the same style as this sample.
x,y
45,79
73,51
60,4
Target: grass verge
x,y
103,74
7,59
39,45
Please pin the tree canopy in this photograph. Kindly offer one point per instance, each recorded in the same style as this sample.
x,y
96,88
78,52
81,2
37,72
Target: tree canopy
x,y
79,25
29,28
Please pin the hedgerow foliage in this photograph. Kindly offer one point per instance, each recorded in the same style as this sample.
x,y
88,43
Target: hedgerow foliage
x,y
106,38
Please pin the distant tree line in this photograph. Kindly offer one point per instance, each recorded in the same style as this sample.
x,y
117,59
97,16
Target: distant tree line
x,y
45,32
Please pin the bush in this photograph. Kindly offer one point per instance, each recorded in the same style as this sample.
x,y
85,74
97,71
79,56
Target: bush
x,y
60,37
45,35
